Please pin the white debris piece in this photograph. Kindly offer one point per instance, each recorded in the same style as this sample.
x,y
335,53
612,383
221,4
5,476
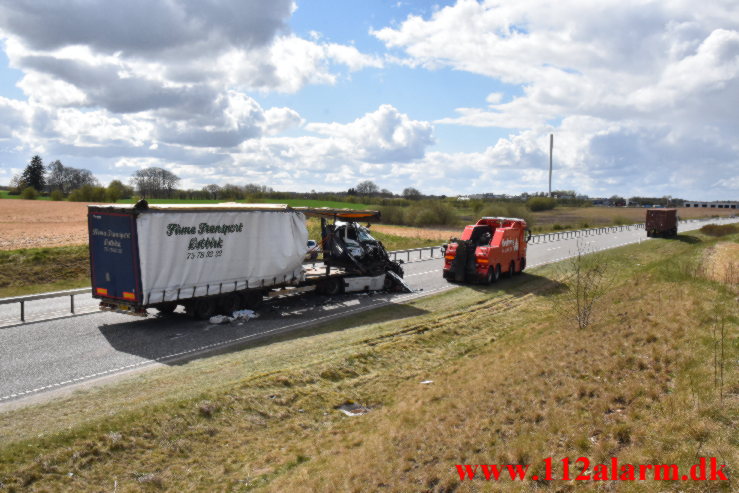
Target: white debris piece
x,y
245,315
353,409
426,382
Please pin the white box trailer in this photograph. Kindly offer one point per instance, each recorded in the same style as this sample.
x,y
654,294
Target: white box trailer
x,y
208,258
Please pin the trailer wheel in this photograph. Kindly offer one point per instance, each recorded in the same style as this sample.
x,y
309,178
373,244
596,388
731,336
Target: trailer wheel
x,y
494,274
251,300
201,309
165,309
522,265
229,303
511,269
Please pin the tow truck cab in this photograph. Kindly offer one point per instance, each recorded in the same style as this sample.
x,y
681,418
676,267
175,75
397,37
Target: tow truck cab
x,y
487,249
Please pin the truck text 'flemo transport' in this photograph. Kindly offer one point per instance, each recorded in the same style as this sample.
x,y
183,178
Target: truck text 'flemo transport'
x,y
219,258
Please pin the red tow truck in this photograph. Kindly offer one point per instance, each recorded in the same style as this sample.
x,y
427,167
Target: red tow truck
x,y
487,249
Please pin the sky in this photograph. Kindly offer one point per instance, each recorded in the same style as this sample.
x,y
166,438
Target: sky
x,y
452,98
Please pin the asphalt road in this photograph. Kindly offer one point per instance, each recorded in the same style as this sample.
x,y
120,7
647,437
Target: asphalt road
x,y
42,356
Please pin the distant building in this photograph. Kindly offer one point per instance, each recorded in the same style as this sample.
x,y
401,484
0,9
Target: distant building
x,y
713,205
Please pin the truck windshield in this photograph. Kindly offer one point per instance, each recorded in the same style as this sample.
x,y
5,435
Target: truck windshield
x,y
363,235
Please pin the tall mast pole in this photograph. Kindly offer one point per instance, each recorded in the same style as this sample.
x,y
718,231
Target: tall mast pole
x,y
551,148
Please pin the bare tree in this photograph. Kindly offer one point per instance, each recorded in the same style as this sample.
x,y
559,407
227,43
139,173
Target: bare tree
x,y
411,193
213,191
155,182
585,279
66,178
367,187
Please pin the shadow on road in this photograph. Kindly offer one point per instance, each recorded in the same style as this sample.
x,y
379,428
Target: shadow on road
x,y
178,339
520,285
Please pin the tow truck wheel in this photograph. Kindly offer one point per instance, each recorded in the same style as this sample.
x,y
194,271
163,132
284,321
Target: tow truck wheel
x,y
522,266
493,274
511,269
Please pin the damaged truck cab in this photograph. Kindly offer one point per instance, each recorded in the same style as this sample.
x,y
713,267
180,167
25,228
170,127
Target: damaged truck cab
x,y
487,249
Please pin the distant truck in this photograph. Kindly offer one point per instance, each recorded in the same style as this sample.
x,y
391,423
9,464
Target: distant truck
x,y
219,258
661,223
487,249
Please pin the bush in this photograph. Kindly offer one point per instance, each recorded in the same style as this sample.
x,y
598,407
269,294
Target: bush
x,y
88,193
29,193
508,209
541,204
621,220
56,195
717,230
431,213
421,213
393,214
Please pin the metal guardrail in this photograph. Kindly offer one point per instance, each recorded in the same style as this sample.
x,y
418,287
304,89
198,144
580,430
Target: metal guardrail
x,y
581,233
410,253
42,296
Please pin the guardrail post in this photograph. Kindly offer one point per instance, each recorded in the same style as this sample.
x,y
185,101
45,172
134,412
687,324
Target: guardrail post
x,y
71,303
409,255
23,311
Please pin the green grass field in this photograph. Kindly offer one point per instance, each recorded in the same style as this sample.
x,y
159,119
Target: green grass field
x,y
5,195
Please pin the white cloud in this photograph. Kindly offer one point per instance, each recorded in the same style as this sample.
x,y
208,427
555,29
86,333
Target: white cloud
x,y
638,93
175,73
385,135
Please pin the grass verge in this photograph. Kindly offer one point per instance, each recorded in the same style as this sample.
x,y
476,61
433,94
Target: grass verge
x,y
512,383
37,270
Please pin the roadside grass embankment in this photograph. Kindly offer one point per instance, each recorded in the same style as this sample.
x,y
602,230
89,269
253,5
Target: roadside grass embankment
x,y
512,383
38,270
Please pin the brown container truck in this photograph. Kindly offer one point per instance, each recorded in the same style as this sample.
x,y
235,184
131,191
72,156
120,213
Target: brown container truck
x,y
661,223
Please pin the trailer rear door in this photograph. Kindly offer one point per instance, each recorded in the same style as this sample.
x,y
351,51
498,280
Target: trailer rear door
x,y
114,259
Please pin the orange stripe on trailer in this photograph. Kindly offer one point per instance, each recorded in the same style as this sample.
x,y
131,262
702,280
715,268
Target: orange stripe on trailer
x,y
129,296
102,291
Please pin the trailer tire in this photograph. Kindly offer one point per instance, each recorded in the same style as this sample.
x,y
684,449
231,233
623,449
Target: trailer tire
x,y
201,309
166,309
496,274
250,300
522,265
229,303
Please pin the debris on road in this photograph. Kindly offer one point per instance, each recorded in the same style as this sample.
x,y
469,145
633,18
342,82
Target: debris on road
x,y
244,315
